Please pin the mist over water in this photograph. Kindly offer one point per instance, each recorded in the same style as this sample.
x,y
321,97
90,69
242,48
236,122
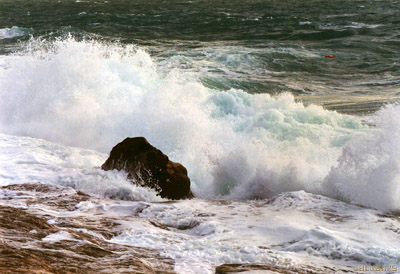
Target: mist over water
x,y
236,145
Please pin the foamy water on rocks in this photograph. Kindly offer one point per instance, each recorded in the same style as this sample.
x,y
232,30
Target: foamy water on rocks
x,y
286,118
292,230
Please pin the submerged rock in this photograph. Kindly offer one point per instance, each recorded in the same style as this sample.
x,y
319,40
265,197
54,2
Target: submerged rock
x,y
149,167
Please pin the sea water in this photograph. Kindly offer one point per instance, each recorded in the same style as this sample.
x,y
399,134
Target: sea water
x,y
241,93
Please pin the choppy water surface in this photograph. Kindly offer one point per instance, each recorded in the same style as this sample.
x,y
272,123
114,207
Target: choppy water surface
x,y
257,46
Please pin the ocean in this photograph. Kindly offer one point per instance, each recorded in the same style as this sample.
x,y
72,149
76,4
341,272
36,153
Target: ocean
x,y
283,112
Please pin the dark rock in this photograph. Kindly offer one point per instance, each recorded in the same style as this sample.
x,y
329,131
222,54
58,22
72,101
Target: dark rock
x,y
149,167
264,267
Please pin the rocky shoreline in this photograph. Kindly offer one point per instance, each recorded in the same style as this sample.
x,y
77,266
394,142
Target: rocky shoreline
x,y
51,229
33,241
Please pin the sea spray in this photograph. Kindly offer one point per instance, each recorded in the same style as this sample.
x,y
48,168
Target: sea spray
x,y
31,160
369,166
236,145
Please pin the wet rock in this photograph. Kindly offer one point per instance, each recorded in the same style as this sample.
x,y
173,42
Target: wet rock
x,y
29,243
149,167
16,222
263,268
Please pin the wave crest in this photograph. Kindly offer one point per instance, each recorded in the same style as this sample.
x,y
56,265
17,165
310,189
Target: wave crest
x,y
235,144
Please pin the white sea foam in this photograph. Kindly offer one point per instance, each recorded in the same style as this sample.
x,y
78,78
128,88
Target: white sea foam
x,y
234,144
312,229
229,61
352,25
26,160
293,229
59,236
11,32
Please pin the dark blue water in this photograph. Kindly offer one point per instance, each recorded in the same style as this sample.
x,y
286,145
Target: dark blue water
x,y
258,46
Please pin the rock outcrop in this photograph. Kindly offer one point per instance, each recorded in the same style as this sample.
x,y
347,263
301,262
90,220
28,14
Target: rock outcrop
x,y
264,268
149,167
70,243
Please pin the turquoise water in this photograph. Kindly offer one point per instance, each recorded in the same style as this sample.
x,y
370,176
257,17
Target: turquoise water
x,y
257,46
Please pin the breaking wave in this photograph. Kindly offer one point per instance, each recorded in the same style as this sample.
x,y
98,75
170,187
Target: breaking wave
x,y
235,145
